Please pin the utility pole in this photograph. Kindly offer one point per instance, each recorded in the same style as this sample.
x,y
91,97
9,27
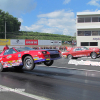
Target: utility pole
x,y
5,29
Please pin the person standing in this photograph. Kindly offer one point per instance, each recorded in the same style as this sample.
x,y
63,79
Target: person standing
x,y
6,47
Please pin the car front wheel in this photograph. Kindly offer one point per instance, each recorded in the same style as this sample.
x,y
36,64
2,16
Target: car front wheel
x,y
29,63
48,63
1,68
69,56
93,55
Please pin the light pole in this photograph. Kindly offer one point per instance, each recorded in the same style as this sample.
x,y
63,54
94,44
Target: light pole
x,y
5,29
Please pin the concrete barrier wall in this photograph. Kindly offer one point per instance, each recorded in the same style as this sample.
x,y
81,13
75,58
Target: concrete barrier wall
x,y
29,43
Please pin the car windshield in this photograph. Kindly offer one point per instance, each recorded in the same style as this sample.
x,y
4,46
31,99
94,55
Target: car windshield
x,y
23,49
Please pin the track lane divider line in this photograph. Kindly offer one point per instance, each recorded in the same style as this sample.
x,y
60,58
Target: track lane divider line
x,y
25,94
70,68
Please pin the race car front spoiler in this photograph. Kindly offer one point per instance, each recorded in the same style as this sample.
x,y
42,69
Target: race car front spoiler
x,y
42,60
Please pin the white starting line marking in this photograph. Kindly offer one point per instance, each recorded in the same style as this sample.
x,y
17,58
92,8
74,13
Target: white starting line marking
x,y
76,69
25,94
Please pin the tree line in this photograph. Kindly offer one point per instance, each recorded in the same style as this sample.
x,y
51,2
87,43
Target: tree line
x,y
39,36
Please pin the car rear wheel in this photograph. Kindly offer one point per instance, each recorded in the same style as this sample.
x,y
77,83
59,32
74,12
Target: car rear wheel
x,y
48,63
1,68
93,55
29,63
69,56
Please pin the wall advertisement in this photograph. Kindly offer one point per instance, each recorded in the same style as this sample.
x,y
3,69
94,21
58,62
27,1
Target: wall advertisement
x,y
56,42
17,42
43,42
4,41
31,42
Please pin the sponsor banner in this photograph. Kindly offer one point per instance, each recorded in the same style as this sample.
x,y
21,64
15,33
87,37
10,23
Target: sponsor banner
x,y
44,42
96,38
17,42
56,42
4,41
31,42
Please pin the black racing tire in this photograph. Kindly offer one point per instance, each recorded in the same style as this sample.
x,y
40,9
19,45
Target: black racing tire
x,y
1,68
69,56
93,55
75,57
29,63
49,62
18,67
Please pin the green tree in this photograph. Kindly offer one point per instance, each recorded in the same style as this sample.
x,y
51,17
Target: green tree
x,y
12,23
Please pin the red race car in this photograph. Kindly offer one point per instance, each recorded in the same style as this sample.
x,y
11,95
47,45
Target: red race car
x,y
81,52
25,56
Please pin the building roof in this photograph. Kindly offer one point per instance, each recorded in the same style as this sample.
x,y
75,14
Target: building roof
x,y
88,13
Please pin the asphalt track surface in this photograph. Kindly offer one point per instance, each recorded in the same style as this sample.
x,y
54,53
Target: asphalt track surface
x,y
61,81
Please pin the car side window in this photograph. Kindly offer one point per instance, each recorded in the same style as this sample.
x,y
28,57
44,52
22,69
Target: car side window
x,y
74,49
9,51
82,49
77,49
85,48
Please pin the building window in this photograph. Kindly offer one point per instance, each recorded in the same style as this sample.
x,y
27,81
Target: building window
x,y
93,43
80,33
94,33
88,19
94,19
84,43
99,19
87,33
80,20
89,43
98,32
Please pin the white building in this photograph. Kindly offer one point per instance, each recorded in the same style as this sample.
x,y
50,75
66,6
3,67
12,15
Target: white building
x,y
88,29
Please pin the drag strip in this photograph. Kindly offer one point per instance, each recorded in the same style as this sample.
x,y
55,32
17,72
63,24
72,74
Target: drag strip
x,y
48,83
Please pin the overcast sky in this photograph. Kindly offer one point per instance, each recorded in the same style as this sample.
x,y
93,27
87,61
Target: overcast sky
x,y
48,16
